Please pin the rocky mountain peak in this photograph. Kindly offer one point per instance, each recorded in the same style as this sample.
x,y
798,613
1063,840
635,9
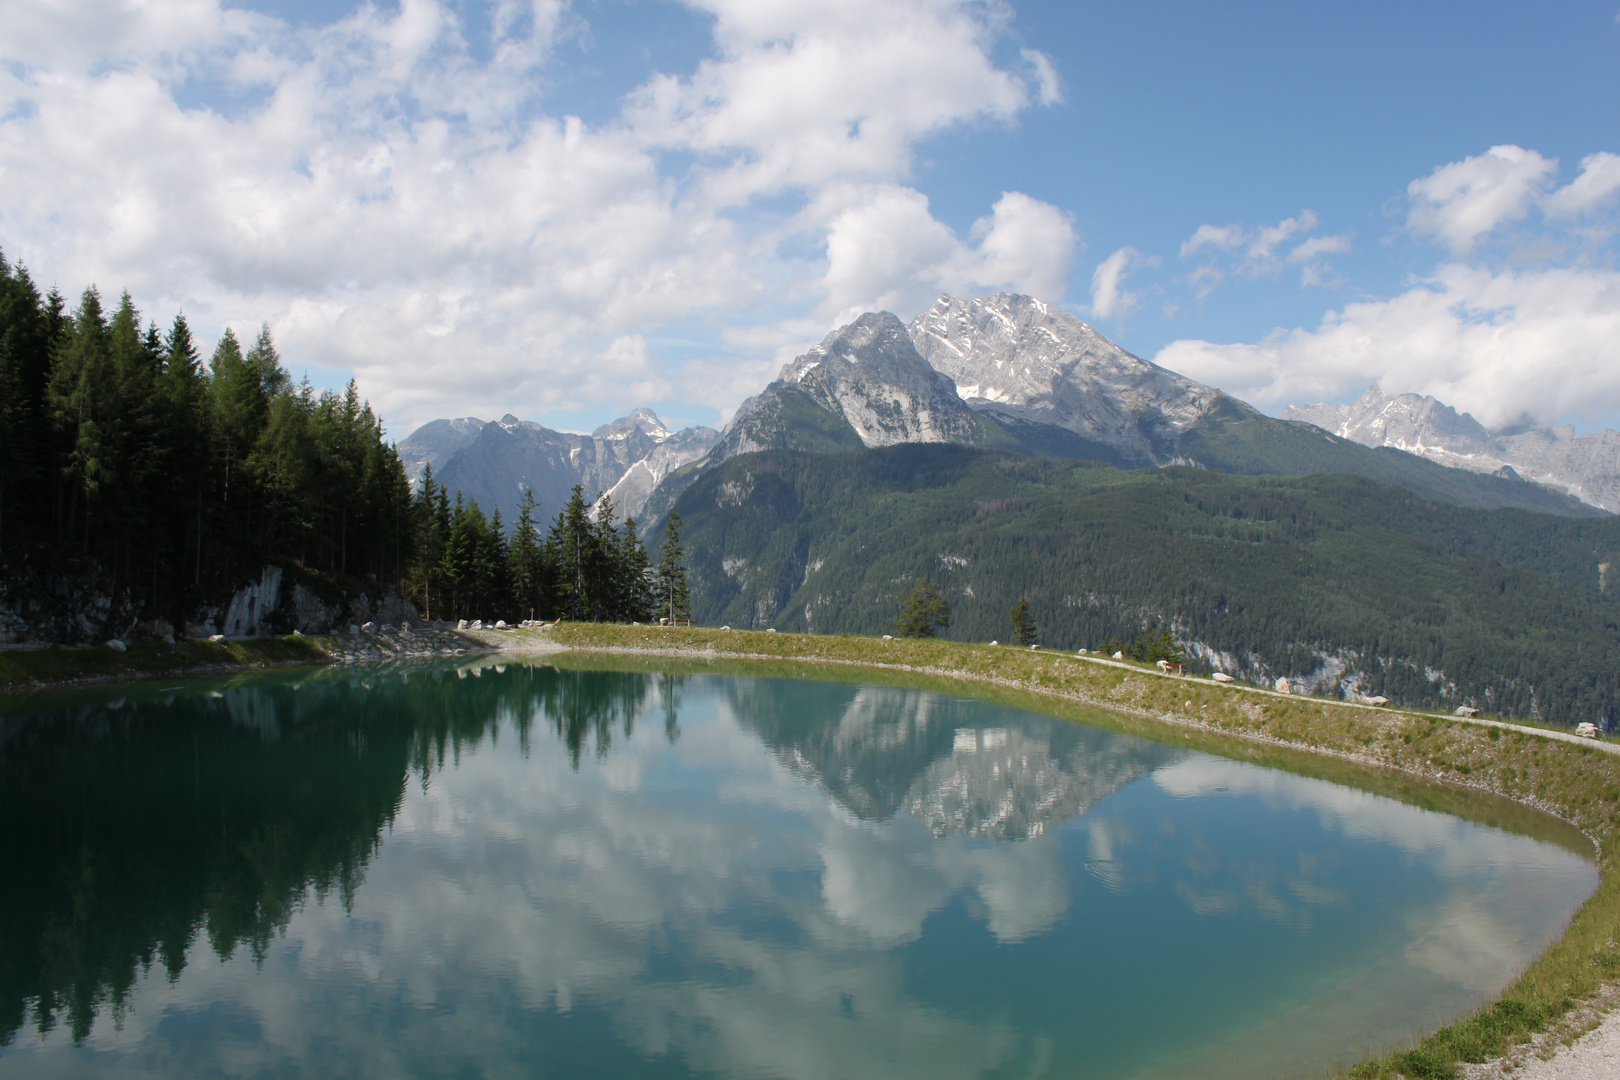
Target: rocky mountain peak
x,y
1017,355
871,374
1585,466
640,419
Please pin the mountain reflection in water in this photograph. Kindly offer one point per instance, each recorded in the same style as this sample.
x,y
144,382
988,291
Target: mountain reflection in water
x,y
517,869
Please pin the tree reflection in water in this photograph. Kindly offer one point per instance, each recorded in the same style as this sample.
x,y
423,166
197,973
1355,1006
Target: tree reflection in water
x,y
130,826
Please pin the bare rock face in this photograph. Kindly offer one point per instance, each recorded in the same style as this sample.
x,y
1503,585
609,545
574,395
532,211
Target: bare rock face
x,y
630,494
872,375
434,443
508,457
1586,466
1017,356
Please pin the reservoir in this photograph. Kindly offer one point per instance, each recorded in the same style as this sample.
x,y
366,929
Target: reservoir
x,y
515,869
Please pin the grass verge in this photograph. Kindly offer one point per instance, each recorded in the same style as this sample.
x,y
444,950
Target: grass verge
x,y
28,669
1577,783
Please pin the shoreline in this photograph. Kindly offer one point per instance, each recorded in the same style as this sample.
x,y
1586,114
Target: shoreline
x,y
1559,1014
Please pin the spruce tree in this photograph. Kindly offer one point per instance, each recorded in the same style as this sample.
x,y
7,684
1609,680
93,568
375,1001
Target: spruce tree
x,y
924,612
672,594
1024,630
524,557
639,601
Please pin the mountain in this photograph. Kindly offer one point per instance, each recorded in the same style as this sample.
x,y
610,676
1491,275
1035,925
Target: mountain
x,y
509,456
1014,373
1585,466
871,387
1016,356
434,443
1340,583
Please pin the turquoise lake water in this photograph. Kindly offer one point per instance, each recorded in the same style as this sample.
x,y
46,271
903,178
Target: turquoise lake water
x,y
517,871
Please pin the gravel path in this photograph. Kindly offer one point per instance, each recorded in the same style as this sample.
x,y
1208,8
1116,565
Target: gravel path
x,y
1593,1056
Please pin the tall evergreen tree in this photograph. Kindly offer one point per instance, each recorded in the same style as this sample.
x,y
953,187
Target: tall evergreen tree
x,y
670,587
1024,629
924,612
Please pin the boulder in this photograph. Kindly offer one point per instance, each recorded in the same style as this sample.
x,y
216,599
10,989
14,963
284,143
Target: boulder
x,y
1378,700
500,624
1587,730
1466,712
1035,648
368,628
462,625
216,637
1283,686
1221,676
117,646
888,637
1120,655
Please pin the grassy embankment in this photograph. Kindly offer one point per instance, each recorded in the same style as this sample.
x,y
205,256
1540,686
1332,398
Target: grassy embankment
x,y
1578,783
23,669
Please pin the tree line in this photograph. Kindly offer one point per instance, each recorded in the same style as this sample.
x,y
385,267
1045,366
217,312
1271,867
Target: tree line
x,y
588,566
140,482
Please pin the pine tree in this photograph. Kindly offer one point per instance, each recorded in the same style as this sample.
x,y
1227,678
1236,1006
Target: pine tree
x,y
636,573
1024,631
525,559
924,612
569,548
669,581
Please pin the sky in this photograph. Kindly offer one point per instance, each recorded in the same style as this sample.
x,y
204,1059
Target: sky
x,y
563,210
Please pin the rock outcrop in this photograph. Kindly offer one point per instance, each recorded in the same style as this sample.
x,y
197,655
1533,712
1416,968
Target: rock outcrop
x,y
1585,466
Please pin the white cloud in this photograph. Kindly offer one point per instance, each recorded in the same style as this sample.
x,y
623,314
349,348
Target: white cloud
x,y
1046,76
886,251
1260,257
1221,236
1320,245
1503,345
1263,246
1109,299
1597,184
397,208
1462,201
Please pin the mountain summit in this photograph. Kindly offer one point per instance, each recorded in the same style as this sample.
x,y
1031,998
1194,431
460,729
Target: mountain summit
x,y
1016,356
1586,466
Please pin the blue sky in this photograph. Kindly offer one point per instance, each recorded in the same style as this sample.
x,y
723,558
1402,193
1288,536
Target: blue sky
x,y
565,210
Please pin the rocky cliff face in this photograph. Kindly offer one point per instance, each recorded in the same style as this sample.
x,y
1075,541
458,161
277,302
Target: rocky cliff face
x,y
1017,356
1586,466
510,456
434,443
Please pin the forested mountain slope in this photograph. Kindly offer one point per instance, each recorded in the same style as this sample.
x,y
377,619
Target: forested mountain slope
x,y
1346,584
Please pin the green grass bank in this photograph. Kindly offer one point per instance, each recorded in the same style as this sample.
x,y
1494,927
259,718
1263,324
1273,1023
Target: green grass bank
x,y
1577,782
28,669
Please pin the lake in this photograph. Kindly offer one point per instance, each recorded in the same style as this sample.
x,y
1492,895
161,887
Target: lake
x,y
519,870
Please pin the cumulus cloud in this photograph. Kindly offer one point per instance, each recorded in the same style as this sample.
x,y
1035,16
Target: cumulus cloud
x,y
1597,185
1459,202
1109,298
1503,345
405,207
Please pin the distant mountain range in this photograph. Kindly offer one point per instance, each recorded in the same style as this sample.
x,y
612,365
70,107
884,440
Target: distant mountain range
x,y
1585,466
1006,372
496,462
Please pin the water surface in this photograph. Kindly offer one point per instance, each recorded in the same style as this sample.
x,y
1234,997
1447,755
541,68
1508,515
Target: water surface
x,y
518,871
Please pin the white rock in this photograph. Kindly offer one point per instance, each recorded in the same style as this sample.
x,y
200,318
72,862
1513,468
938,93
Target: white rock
x,y
1221,676
772,630
888,637
1119,655
725,628
368,627
995,643
117,646
1466,711
1379,700
462,625
500,624
1586,730
216,637
406,625
1283,686
1035,648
